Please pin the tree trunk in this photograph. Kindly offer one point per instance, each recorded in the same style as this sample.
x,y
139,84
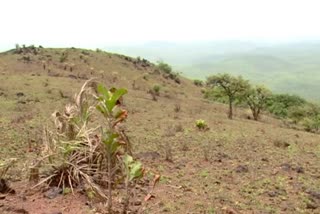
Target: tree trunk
x,y
255,115
230,108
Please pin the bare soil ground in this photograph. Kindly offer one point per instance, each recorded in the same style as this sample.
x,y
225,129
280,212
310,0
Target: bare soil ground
x,y
238,166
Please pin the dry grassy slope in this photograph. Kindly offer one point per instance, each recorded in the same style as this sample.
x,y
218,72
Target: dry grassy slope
x,y
252,167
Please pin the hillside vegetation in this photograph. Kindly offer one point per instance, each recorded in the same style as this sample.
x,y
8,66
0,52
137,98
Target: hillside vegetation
x,y
207,162
285,68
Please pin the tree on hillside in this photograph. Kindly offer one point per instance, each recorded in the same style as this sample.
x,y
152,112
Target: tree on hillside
x,y
256,98
231,86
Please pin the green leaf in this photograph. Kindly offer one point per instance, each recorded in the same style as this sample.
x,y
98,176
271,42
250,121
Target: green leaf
x,y
118,94
111,143
135,171
127,160
101,109
103,91
115,97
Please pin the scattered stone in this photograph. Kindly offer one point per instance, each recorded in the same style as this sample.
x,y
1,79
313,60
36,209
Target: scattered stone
x,y
242,169
53,192
265,159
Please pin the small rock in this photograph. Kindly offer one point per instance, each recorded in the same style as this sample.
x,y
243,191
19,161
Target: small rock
x,y
53,192
286,167
242,169
272,194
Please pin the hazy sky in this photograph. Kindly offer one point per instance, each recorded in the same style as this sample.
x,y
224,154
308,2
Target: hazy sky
x,y
92,23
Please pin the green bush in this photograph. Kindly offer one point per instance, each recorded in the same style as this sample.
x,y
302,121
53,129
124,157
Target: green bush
x,y
311,124
198,82
279,104
166,68
156,89
201,124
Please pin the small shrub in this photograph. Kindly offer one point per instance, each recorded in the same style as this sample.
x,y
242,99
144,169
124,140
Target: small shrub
x,y
156,89
63,57
166,68
201,124
198,83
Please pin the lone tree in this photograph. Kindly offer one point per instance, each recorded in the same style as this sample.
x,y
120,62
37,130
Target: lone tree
x,y
231,87
256,98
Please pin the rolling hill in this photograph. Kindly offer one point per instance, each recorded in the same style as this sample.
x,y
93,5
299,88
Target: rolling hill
x,y
292,68
237,166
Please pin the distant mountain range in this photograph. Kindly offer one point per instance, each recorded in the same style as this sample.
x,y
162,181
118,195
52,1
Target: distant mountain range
x,y
283,67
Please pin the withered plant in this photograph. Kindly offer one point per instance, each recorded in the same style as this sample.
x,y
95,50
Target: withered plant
x,y
86,148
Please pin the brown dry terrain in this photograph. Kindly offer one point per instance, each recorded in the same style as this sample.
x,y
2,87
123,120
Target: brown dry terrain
x,y
238,166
